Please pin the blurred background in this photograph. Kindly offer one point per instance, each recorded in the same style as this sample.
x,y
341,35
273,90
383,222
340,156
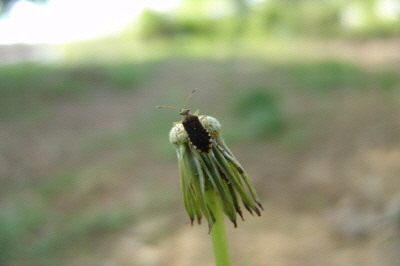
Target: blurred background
x,y
308,94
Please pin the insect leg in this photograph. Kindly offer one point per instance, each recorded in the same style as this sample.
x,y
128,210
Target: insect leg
x,y
212,133
190,146
179,132
203,117
197,112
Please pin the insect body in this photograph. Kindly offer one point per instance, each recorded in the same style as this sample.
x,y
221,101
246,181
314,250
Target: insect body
x,y
199,137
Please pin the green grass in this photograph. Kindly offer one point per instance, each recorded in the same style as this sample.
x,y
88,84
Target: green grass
x,y
328,75
36,227
27,88
18,221
387,79
261,110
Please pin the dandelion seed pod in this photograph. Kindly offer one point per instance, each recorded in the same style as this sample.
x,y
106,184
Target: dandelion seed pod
x,y
211,124
209,171
177,135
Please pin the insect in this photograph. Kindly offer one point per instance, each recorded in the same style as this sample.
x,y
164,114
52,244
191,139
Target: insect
x,y
199,137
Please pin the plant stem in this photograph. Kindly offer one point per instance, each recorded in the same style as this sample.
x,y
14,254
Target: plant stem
x,y
218,234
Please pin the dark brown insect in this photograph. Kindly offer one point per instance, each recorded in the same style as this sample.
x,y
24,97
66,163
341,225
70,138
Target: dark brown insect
x,y
199,137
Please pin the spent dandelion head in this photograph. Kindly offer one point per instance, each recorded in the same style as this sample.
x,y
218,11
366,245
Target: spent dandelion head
x,y
207,165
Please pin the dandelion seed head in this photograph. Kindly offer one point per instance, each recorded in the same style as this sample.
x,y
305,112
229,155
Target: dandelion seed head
x,y
210,123
216,172
178,135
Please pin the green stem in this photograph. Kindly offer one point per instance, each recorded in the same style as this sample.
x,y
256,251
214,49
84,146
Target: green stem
x,y
218,234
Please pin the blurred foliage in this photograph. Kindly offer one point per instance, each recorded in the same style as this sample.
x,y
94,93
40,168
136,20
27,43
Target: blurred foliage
x,y
217,19
153,24
296,18
226,27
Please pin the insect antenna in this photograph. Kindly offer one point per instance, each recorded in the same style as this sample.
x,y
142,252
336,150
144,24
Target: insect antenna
x,y
187,99
168,107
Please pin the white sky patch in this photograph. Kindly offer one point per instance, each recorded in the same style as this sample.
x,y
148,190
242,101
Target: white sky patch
x,y
61,21
388,9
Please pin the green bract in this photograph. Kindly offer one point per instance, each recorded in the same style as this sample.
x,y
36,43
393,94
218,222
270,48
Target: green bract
x,y
217,170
